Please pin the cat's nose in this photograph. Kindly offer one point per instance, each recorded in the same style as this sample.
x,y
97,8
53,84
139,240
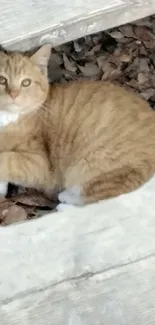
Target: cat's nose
x,y
14,93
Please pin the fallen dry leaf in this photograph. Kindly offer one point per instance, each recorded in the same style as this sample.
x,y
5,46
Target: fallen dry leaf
x,y
69,65
148,93
143,22
144,65
77,47
116,34
33,198
125,57
12,214
122,55
143,33
133,84
94,50
142,78
150,45
90,69
127,30
110,72
101,60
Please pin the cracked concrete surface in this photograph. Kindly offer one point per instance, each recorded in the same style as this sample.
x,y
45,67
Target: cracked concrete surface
x,y
91,265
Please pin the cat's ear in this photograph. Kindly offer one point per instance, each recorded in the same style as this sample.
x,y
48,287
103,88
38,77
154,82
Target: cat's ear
x,y
41,57
3,50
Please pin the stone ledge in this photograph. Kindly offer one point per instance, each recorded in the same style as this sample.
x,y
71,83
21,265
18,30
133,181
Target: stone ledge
x,y
82,263
31,23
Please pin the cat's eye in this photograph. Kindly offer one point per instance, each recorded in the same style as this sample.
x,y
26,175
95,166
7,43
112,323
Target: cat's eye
x,y
3,80
26,82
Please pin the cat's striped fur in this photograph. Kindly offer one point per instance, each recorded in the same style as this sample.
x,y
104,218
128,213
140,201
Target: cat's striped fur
x,y
92,135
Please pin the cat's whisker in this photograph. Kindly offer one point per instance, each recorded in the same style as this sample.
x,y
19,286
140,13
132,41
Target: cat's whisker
x,y
45,107
43,117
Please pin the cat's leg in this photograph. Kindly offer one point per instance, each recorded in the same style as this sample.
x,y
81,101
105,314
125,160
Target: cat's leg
x,y
107,185
24,169
71,196
116,182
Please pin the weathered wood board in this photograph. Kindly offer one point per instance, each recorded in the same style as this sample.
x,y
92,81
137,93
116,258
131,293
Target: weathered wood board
x,y
25,24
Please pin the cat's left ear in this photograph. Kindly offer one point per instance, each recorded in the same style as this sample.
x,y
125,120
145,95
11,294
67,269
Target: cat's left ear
x,y
41,57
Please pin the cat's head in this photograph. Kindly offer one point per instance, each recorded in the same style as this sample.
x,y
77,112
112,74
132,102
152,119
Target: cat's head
x,y
23,80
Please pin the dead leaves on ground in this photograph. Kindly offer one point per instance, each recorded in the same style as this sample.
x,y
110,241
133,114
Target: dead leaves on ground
x,y
11,213
26,205
125,54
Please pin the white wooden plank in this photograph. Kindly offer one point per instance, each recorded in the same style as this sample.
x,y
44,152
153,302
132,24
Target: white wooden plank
x,y
32,22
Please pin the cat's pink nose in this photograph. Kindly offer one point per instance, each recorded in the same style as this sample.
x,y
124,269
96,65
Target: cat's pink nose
x,y
14,93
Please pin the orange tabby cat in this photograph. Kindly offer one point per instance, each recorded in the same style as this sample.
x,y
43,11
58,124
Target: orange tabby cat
x,y
87,140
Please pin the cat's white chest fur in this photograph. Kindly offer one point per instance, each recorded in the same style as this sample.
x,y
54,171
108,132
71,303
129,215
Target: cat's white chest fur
x,y
7,118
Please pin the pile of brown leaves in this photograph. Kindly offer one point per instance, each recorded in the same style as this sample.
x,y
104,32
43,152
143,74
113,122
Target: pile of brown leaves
x,y
125,55
22,204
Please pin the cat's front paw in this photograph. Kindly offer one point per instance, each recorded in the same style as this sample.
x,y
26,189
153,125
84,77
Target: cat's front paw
x,y
71,196
64,207
3,189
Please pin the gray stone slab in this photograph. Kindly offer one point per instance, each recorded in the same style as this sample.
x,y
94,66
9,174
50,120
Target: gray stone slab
x,y
25,24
